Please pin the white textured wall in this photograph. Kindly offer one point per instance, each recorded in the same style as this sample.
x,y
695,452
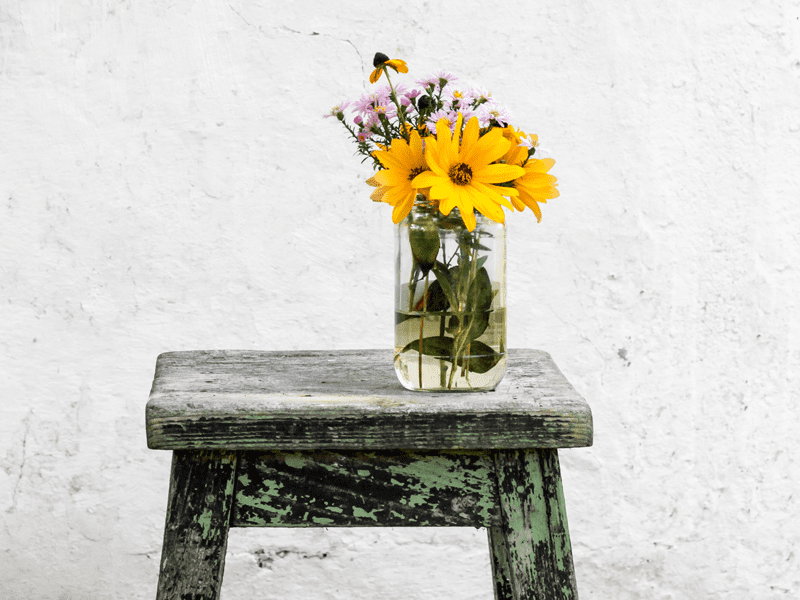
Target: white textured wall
x,y
167,183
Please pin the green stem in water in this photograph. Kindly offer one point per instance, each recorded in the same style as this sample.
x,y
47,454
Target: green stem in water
x,y
442,363
442,322
461,340
412,288
422,324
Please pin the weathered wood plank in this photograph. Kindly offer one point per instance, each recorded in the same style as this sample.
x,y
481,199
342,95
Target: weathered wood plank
x,y
501,569
557,521
352,400
196,531
352,489
534,542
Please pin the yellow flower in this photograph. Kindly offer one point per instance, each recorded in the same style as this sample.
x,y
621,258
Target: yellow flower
x,y
462,175
381,61
403,162
377,195
516,155
536,185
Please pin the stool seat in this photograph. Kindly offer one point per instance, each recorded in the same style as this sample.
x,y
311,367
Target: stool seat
x,y
331,439
246,400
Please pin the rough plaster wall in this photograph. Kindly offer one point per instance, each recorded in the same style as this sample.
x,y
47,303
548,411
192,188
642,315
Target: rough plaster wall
x,y
167,183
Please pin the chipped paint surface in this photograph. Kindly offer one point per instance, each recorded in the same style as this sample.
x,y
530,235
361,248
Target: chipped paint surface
x,y
366,489
529,540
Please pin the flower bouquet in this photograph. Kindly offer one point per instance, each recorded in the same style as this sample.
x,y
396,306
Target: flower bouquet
x,y
448,160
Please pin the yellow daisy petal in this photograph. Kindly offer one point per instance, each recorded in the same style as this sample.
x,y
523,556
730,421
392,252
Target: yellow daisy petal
x,y
499,173
397,65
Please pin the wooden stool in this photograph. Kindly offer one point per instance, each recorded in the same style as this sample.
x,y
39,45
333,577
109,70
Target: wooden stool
x,y
330,439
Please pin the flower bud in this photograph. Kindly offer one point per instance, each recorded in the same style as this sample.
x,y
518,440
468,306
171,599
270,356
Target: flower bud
x,y
423,235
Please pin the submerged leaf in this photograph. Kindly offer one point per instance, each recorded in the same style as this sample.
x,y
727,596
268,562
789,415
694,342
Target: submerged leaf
x,y
482,358
475,322
437,346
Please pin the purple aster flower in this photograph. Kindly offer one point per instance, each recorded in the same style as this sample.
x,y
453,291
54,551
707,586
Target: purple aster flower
x,y
339,108
479,94
367,102
438,80
435,117
491,113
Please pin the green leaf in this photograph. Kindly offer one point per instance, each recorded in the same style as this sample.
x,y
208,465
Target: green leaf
x,y
480,292
481,360
445,281
400,316
438,346
437,301
475,322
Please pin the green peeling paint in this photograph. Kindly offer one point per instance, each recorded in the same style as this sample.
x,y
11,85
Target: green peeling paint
x,y
360,513
295,461
204,520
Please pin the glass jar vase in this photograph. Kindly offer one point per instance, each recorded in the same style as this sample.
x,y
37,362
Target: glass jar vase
x,y
450,301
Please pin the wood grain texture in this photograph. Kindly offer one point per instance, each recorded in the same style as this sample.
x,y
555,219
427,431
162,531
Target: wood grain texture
x,y
252,400
196,531
352,489
533,550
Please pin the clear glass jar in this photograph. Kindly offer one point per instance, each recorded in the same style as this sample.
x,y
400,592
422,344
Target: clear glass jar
x,y
450,301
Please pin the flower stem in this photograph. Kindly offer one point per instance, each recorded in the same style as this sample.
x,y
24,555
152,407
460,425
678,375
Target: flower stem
x,y
422,324
403,131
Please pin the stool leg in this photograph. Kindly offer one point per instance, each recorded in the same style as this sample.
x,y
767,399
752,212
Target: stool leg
x,y
198,519
531,551
501,570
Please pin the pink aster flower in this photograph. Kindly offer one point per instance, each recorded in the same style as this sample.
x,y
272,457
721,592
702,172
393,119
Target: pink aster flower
x,y
437,80
389,110
450,115
367,102
492,113
525,142
339,108
479,94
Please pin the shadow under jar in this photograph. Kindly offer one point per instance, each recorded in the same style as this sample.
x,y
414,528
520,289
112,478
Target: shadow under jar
x,y
450,301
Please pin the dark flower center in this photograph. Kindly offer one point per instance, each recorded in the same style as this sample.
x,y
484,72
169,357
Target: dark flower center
x,y
379,59
460,174
416,171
